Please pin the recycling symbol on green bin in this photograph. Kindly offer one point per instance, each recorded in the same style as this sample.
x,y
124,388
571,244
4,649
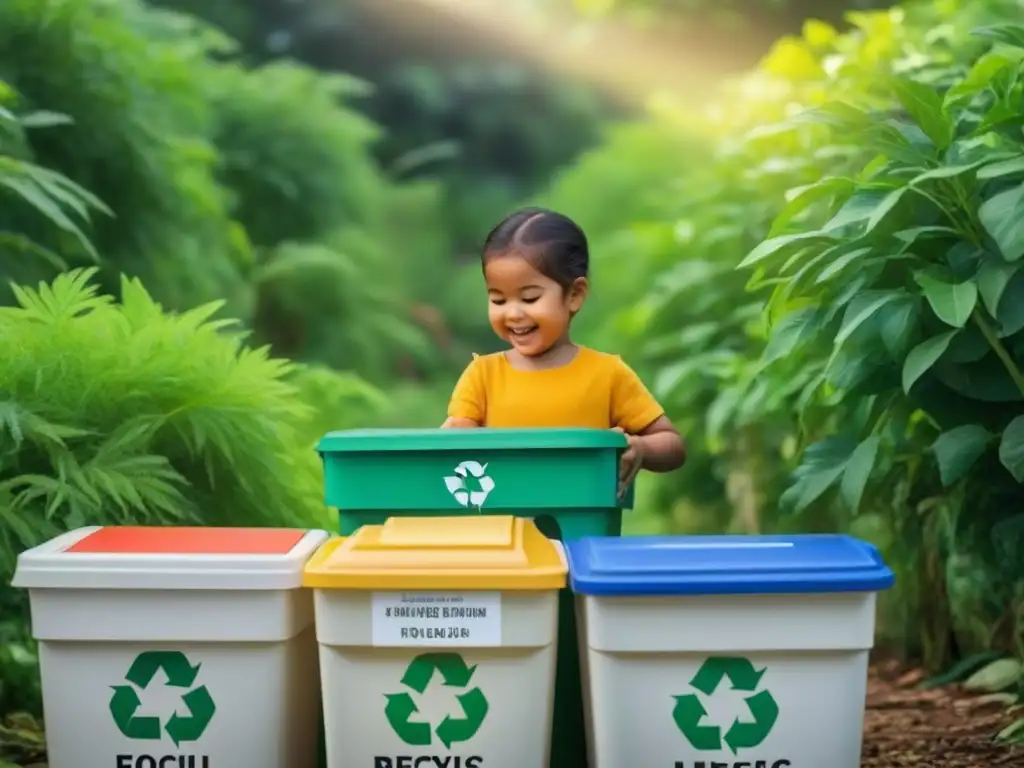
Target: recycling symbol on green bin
x,y
453,670
689,712
470,484
180,674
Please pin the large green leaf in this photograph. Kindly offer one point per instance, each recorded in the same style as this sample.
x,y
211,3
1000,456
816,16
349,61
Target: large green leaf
x,y
860,206
822,467
923,357
782,244
857,472
1010,313
1003,218
885,207
899,325
993,277
996,676
949,171
979,78
862,308
1008,34
1011,448
951,302
925,106
958,449
840,263
805,197
1010,167
793,330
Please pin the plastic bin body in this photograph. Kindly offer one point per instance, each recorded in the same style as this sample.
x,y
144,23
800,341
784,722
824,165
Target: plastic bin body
x,y
570,475
465,693
566,479
747,651
180,647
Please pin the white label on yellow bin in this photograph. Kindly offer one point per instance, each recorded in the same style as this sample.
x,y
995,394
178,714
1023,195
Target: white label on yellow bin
x,y
436,618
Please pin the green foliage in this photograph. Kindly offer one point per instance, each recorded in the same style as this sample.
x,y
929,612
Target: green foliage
x,y
257,186
132,85
901,279
120,412
318,211
50,200
339,302
455,108
861,371
22,742
298,165
155,416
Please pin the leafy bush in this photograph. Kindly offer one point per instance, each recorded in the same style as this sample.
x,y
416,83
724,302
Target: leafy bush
x,y
295,159
131,81
337,302
319,212
50,204
874,180
119,412
905,309
254,186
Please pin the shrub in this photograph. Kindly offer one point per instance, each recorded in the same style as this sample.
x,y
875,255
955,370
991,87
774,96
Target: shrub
x,y
294,157
131,80
873,179
118,412
905,300
45,206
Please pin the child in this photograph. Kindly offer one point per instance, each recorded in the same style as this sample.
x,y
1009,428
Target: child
x,y
535,265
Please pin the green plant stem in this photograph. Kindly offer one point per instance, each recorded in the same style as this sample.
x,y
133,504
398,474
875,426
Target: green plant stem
x,y
1000,350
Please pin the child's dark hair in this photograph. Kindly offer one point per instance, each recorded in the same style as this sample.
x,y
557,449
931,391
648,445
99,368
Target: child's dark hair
x,y
553,243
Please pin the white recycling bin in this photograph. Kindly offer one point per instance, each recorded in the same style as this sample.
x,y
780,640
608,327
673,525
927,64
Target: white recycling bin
x,y
438,643
175,647
725,651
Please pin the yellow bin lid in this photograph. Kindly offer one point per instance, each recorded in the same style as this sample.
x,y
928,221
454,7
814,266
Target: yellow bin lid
x,y
440,553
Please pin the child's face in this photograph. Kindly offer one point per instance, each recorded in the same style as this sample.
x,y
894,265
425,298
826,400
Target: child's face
x,y
528,309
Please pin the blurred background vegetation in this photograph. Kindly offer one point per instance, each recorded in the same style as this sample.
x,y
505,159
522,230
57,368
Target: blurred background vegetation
x,y
227,226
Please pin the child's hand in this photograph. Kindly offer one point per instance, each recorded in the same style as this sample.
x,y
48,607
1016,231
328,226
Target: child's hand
x,y
632,460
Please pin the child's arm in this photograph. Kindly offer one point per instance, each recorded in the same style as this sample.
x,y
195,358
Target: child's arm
x,y
654,442
467,406
657,448
662,448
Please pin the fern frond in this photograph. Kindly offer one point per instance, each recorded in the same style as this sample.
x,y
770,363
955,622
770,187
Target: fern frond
x,y
69,295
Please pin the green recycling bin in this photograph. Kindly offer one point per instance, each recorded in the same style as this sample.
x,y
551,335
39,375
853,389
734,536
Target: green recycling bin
x,y
565,479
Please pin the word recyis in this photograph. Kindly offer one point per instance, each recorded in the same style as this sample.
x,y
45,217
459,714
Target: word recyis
x,y
435,612
166,761
740,764
428,761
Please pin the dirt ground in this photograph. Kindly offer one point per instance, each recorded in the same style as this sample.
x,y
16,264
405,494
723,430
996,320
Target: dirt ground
x,y
941,728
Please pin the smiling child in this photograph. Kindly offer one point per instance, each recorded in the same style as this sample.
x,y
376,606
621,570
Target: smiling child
x,y
536,264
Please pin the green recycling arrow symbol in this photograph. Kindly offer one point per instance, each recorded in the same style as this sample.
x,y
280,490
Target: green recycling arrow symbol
x,y
453,670
180,674
689,711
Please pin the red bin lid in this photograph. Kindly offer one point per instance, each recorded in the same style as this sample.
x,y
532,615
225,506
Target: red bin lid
x,y
170,558
155,540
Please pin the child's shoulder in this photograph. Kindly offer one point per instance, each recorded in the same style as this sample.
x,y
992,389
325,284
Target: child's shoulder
x,y
491,358
486,362
603,360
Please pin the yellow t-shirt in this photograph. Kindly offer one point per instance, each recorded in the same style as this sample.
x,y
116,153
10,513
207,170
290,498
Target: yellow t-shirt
x,y
595,390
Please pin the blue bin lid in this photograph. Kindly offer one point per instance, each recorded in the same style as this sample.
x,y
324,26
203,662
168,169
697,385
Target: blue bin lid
x,y
725,565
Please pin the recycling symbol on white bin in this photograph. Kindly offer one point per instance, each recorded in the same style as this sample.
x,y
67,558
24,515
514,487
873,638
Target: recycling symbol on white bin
x,y
470,485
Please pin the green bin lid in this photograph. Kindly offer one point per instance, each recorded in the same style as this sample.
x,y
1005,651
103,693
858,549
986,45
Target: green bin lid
x,y
487,439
